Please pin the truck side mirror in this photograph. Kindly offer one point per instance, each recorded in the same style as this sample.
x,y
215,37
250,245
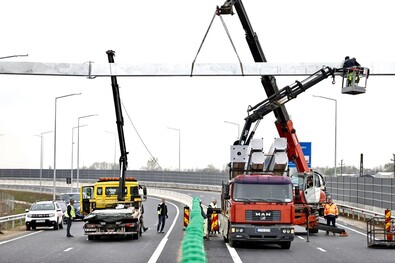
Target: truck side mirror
x,y
144,192
225,191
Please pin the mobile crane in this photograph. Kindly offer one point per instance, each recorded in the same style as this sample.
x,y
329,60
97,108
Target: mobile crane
x,y
308,200
108,213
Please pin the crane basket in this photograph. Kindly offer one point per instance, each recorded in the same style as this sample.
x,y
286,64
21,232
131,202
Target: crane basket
x,y
378,232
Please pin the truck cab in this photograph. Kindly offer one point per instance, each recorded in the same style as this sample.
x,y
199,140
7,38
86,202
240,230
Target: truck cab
x,y
103,194
258,208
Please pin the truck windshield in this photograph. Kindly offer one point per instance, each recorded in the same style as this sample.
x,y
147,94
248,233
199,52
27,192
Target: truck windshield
x,y
262,192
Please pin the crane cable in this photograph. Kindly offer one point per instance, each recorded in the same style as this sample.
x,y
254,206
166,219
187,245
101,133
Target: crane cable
x,y
141,139
217,13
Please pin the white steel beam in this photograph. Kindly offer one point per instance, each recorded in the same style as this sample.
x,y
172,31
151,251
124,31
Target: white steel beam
x,y
92,70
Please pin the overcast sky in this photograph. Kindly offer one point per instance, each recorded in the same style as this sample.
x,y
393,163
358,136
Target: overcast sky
x,y
171,32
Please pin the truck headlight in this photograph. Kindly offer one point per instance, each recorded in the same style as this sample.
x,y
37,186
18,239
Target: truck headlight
x,y
287,230
237,230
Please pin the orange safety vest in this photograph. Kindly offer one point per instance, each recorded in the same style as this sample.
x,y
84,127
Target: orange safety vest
x,y
331,209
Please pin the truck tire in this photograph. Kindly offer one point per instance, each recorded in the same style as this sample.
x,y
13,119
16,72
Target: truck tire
x,y
285,245
232,243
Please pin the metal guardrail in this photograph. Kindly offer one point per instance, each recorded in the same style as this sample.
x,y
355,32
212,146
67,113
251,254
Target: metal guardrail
x,y
361,214
6,221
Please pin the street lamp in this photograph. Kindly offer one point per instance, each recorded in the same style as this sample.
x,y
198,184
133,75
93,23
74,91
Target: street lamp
x,y
179,147
72,150
54,150
78,147
13,56
322,97
42,156
238,127
115,145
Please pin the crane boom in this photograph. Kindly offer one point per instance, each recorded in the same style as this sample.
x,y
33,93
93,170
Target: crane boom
x,y
283,122
123,160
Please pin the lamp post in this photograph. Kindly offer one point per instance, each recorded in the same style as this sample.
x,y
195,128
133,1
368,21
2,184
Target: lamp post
x,y
115,145
179,147
238,128
393,159
14,56
72,150
42,155
54,147
78,147
322,97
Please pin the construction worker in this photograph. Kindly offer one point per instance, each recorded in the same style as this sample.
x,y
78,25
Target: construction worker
x,y
330,214
348,64
70,215
162,215
210,208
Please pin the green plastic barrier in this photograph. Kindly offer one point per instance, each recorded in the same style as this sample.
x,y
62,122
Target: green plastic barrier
x,y
193,243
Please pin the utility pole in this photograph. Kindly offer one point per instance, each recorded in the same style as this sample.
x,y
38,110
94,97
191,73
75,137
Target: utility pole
x,y
393,159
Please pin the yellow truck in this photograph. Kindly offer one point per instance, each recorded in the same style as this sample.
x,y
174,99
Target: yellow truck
x,y
105,215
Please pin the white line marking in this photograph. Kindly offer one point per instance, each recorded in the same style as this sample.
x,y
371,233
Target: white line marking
x,y
300,237
161,246
3,242
321,249
68,249
233,254
356,231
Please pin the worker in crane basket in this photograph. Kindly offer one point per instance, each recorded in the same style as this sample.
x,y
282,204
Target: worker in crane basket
x,y
330,214
348,65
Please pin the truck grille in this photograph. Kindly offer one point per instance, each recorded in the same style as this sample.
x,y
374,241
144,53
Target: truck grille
x,y
266,216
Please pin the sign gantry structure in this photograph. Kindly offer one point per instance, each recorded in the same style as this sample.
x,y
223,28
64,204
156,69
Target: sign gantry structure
x,y
93,70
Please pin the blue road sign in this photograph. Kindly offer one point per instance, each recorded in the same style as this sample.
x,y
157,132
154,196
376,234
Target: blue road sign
x,y
306,148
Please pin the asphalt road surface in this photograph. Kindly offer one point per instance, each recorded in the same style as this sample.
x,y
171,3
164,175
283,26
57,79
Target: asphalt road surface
x,y
48,245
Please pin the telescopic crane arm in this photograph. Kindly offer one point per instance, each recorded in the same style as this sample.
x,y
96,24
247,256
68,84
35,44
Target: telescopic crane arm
x,y
123,160
277,100
284,124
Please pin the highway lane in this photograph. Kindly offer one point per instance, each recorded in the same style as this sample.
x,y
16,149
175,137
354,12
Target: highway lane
x,y
53,246
47,245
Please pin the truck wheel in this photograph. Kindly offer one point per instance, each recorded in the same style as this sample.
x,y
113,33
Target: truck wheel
x,y
285,245
232,243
